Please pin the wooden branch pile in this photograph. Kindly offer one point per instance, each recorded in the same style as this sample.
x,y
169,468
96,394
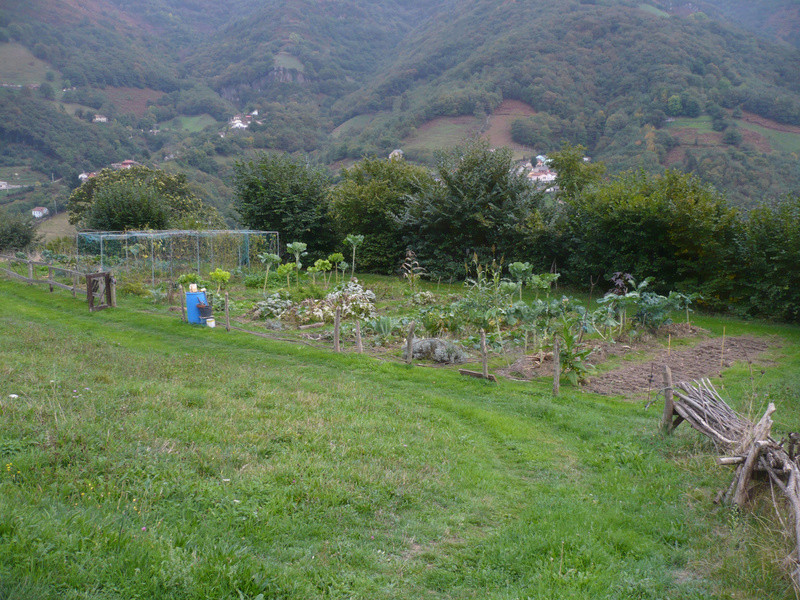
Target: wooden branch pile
x,y
749,446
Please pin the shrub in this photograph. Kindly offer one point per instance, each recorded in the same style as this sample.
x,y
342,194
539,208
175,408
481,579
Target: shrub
x,y
16,232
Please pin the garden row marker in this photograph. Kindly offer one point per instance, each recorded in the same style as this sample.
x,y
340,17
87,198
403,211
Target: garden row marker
x,y
227,314
337,319
669,408
484,355
359,343
183,305
556,367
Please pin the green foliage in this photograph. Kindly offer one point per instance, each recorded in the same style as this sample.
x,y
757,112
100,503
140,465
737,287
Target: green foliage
x,y
283,194
124,205
220,277
354,240
671,227
167,199
16,232
480,206
369,200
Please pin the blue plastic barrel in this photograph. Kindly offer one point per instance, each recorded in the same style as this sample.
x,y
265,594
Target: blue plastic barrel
x,y
192,300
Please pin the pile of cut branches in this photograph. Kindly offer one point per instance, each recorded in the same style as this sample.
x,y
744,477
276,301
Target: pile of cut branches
x,y
749,446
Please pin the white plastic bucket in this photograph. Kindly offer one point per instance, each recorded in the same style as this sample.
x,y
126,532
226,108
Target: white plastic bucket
x,y
210,322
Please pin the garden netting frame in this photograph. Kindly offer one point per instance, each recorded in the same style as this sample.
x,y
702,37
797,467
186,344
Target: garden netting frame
x,y
169,253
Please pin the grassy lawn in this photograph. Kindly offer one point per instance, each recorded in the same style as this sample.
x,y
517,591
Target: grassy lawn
x,y
146,458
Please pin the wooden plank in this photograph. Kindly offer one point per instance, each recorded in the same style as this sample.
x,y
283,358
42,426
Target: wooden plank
x,y
477,375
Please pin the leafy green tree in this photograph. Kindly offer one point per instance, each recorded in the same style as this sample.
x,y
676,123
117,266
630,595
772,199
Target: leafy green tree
x,y
369,201
171,191
574,174
480,206
16,232
672,227
127,205
280,193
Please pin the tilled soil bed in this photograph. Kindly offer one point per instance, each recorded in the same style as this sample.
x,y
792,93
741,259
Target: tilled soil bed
x,y
703,359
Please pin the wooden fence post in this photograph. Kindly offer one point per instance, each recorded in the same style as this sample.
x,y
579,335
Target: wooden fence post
x,y
183,304
669,408
359,343
227,314
410,343
112,290
337,322
556,367
50,277
75,284
484,355
30,272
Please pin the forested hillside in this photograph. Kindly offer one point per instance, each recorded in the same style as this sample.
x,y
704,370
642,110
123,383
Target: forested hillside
x,y
641,85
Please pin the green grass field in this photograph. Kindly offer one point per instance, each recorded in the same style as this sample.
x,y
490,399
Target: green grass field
x,y
146,458
191,124
287,61
443,132
702,124
19,67
780,140
648,8
355,125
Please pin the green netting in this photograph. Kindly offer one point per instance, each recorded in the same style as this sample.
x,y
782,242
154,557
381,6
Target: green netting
x,y
168,254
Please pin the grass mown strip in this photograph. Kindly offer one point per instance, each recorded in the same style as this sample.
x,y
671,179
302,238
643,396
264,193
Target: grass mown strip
x,y
145,458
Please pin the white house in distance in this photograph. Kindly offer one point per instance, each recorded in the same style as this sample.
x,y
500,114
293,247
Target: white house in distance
x,y
39,212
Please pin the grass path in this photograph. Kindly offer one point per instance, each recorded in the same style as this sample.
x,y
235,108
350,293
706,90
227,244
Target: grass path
x,y
145,458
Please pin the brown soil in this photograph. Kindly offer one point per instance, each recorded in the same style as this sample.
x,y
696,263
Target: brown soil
x,y
768,123
131,100
499,130
703,359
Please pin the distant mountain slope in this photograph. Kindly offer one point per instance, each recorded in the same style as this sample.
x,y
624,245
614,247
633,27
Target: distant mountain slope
x,y
613,75
776,19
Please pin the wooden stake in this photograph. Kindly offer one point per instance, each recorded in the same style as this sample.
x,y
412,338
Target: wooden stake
x,y
669,407
722,349
112,290
337,321
30,272
556,367
410,342
75,285
227,314
669,344
183,304
359,343
50,277
484,355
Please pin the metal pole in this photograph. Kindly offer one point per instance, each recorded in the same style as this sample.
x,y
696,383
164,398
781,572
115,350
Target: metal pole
x,y
101,252
197,235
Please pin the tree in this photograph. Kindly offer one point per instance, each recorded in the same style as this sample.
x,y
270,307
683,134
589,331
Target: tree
x,y
16,232
369,201
127,205
481,205
282,194
183,208
574,173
